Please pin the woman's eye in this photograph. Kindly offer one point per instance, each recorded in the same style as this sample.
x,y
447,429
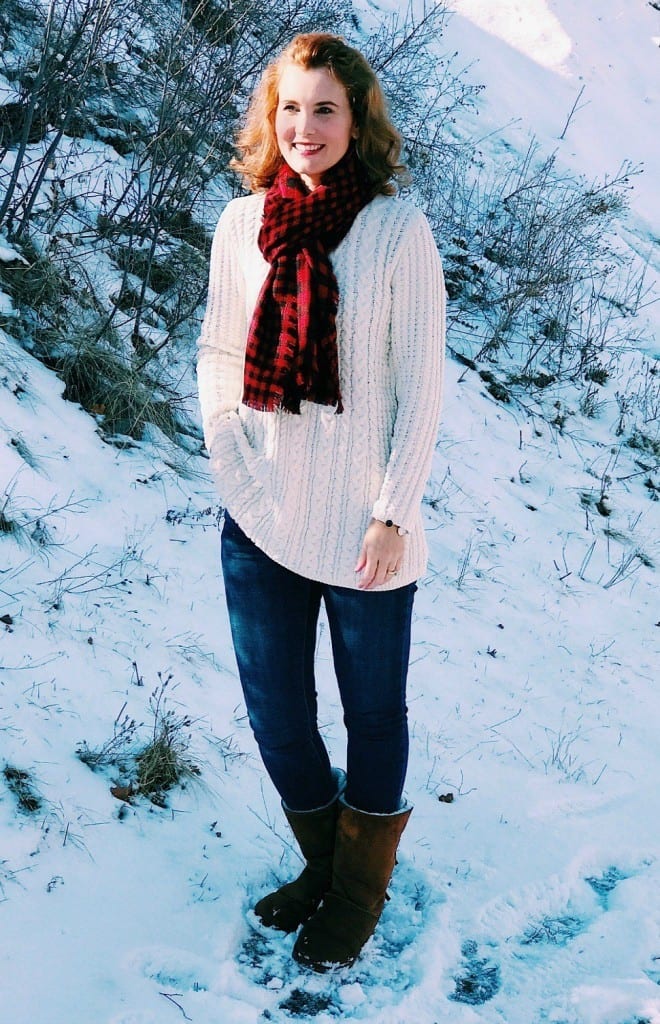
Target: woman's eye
x,y
325,110
290,107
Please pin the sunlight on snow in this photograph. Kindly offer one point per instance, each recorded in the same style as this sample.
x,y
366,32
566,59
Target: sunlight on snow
x,y
527,25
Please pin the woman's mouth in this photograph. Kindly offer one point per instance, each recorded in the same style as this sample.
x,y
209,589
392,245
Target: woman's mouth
x,y
307,148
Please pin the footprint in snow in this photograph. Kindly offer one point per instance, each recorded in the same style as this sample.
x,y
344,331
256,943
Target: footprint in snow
x,y
605,884
174,969
385,970
479,978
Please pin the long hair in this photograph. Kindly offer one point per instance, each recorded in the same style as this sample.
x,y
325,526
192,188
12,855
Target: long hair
x,y
378,144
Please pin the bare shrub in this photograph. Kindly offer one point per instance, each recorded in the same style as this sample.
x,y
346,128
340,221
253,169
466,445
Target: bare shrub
x,y
150,768
639,405
534,257
116,750
21,518
117,248
162,84
424,88
164,761
8,525
68,43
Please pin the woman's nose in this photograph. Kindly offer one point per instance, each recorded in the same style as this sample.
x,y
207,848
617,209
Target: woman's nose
x,y
305,123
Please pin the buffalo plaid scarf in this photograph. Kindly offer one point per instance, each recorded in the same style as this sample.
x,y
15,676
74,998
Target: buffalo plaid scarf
x,y
292,342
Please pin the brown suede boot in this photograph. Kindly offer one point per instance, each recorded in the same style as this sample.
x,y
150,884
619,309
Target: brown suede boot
x,y
293,903
365,853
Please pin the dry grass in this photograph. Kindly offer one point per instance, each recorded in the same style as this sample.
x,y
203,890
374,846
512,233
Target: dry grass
x,y
148,769
20,784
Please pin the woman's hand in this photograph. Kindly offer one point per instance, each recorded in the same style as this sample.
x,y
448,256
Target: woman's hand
x,y
380,555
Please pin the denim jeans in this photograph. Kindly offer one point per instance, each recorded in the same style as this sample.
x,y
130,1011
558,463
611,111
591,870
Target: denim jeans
x,y
273,614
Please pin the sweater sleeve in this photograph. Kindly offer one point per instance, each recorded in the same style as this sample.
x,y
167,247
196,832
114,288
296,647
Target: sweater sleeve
x,y
238,470
418,346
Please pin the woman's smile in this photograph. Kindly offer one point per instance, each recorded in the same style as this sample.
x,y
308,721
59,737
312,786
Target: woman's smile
x,y
307,148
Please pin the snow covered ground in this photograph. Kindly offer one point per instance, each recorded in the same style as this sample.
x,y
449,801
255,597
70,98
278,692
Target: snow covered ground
x,y
580,77
533,895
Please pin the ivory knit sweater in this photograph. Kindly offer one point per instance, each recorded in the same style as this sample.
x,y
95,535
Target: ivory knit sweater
x,y
304,488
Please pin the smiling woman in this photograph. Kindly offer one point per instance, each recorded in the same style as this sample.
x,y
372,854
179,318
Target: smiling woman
x,y
320,373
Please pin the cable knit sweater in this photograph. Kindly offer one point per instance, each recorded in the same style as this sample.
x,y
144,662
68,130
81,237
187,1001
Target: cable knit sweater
x,y
304,488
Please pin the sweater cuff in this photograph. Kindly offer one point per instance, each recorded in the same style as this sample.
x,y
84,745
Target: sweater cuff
x,y
383,511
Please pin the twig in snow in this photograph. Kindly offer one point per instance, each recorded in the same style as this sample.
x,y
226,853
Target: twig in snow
x,y
495,728
572,112
170,996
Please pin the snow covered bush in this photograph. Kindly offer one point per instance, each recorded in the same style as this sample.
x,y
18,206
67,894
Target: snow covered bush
x,y
116,127
538,280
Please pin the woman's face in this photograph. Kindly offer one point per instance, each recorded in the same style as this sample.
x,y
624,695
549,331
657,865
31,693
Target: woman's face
x,y
313,122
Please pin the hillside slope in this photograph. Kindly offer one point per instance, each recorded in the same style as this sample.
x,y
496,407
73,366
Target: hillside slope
x,y
528,888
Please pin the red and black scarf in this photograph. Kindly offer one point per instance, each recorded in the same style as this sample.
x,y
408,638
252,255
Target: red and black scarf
x,y
291,351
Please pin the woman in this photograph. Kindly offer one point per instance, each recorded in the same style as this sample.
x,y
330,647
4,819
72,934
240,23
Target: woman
x,y
320,370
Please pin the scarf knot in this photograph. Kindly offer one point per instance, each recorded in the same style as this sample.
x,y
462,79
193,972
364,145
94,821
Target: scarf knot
x,y
291,353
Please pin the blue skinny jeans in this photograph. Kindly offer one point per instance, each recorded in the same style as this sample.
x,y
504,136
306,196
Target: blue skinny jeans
x,y
273,614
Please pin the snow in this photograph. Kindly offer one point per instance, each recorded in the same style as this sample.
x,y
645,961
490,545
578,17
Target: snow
x,y
531,27
7,93
9,255
602,56
534,895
